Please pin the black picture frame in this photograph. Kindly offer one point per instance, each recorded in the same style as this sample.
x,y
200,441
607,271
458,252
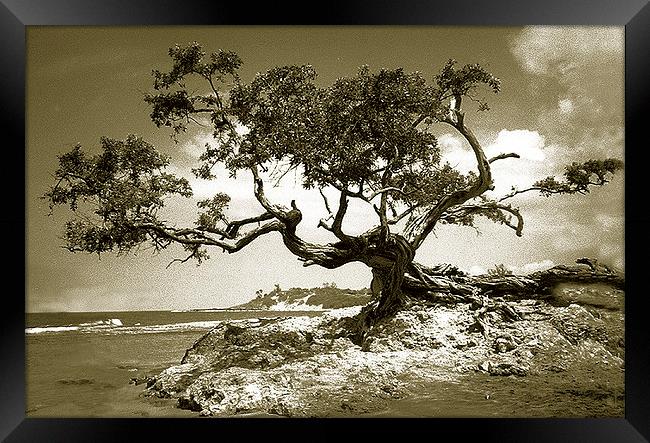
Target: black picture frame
x,y
16,15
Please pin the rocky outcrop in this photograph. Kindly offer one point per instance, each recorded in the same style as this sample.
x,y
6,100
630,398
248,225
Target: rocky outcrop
x,y
299,299
307,367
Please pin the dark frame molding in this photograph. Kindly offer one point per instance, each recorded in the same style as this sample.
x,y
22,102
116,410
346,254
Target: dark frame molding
x,y
15,15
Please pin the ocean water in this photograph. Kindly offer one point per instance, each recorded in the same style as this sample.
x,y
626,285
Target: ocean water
x,y
79,364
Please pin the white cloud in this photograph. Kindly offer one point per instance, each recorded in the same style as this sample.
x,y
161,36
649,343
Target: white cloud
x,y
565,105
450,142
558,50
578,84
524,269
457,153
533,267
528,144
476,270
532,165
195,146
518,172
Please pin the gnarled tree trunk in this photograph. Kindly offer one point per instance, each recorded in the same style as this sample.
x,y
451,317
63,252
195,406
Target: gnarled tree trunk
x,y
446,284
389,259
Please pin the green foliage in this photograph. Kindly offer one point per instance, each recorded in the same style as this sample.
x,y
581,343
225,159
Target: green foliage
x,y
333,298
329,297
174,105
464,81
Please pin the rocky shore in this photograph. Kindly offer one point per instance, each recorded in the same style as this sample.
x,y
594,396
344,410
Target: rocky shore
x,y
307,367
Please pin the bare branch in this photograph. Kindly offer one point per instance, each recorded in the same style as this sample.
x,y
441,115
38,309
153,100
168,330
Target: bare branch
x,y
399,217
258,190
381,211
198,238
233,227
520,220
387,190
482,184
335,228
488,206
532,188
417,121
184,260
358,194
502,156
338,218
327,205
289,169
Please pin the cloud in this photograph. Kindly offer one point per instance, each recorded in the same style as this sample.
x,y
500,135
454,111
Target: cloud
x,y
532,267
524,269
527,144
543,50
577,80
532,165
566,106
196,145
279,189
457,152
476,270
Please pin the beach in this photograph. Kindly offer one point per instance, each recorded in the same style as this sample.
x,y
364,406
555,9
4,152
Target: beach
x,y
80,364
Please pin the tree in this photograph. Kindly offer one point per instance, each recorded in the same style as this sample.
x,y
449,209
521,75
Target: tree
x,y
368,136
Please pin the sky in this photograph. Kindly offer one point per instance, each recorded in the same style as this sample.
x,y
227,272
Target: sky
x,y
561,101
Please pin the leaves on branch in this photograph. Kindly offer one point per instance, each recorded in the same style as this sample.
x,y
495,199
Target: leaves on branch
x,y
121,187
213,211
173,106
367,135
579,176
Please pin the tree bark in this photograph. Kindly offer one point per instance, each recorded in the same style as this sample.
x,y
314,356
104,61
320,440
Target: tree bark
x,y
389,259
448,284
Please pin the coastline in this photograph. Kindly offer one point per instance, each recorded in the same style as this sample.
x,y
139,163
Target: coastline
x,y
430,361
560,357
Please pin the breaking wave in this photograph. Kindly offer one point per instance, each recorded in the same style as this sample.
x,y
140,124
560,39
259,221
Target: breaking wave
x,y
115,326
172,327
51,329
103,323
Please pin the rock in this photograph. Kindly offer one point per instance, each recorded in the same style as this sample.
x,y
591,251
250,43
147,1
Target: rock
x,y
504,343
594,295
308,367
506,369
142,379
525,354
575,323
76,381
189,403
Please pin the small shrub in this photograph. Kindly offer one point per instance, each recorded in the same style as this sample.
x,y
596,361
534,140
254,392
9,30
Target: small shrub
x,y
499,271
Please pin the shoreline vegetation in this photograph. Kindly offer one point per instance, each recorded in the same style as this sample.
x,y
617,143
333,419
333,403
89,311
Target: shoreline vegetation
x,y
547,344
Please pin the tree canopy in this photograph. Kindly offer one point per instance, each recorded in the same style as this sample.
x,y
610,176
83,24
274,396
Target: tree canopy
x,y
370,136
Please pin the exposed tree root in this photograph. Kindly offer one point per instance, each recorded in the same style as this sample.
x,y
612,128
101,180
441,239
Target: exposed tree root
x,y
447,285
451,285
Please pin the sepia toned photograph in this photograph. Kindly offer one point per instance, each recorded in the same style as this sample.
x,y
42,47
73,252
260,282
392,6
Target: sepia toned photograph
x,y
325,221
